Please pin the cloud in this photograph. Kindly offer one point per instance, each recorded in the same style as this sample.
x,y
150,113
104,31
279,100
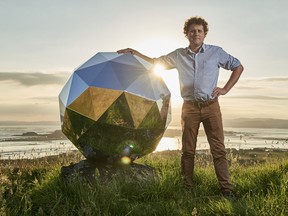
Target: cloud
x,y
30,112
275,79
50,99
37,78
263,80
267,79
261,89
257,97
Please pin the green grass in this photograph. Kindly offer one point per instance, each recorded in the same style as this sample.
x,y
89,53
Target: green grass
x,y
34,187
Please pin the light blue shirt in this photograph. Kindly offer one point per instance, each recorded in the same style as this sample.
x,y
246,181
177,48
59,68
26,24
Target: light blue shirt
x,y
198,72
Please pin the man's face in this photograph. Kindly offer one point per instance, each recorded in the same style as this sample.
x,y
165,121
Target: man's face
x,y
196,35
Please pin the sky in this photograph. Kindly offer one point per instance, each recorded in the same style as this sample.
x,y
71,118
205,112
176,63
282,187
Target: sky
x,y
43,42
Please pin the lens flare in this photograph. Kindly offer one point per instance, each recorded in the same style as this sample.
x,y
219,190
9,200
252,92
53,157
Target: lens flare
x,y
159,70
125,160
126,151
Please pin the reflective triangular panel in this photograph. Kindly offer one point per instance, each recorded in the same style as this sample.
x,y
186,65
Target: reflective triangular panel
x,y
67,128
153,119
102,99
146,64
83,105
64,94
109,55
77,87
62,109
139,107
107,78
79,123
164,107
118,114
159,88
96,59
88,74
126,77
129,60
142,87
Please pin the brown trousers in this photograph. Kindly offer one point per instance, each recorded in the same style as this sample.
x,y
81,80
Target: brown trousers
x,y
211,118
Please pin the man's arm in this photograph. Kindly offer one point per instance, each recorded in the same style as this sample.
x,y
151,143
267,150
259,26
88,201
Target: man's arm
x,y
230,83
135,52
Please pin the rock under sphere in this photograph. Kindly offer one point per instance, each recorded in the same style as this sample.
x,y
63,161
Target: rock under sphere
x,y
114,106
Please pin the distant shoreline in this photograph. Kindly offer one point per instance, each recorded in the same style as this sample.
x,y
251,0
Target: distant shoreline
x,y
235,123
58,135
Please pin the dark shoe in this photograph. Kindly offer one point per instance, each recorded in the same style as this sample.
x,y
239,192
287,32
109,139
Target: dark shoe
x,y
229,195
188,184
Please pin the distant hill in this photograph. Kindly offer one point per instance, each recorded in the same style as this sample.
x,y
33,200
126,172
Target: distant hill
x,y
236,123
256,123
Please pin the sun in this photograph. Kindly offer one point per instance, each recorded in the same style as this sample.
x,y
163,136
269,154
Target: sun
x,y
170,77
159,70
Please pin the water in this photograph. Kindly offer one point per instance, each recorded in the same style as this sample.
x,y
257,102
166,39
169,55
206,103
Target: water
x,y
238,138
30,149
7,132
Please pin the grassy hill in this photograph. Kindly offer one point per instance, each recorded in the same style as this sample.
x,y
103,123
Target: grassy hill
x,y
35,187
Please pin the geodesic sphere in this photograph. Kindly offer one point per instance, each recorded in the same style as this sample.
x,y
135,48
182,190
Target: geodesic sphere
x,y
114,105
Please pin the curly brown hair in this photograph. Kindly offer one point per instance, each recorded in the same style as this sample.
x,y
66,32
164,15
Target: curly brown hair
x,y
196,21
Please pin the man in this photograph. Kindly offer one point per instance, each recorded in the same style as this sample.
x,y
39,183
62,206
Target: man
x,y
198,67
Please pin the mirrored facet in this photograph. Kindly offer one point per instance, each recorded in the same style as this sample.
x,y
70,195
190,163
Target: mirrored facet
x,y
95,60
132,61
90,73
76,88
64,94
83,104
138,113
107,78
102,99
164,108
126,77
142,87
113,102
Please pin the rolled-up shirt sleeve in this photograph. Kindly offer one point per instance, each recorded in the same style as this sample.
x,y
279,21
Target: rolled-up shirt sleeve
x,y
227,61
167,61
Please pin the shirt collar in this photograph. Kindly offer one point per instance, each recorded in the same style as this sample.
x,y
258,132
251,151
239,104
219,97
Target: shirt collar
x,y
202,49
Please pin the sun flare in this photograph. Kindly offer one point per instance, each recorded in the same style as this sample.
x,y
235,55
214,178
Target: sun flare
x,y
171,80
159,70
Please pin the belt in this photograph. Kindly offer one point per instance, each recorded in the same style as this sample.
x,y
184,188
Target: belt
x,y
200,104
